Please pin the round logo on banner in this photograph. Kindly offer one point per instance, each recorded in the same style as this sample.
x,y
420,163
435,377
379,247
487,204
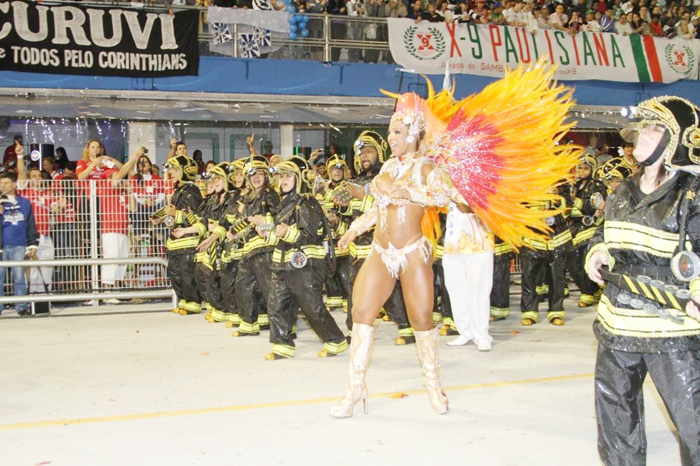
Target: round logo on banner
x,y
35,155
680,58
424,43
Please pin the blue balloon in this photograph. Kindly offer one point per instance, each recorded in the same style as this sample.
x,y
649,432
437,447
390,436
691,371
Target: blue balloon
x,y
291,8
287,2
304,32
292,28
298,18
292,20
305,18
293,35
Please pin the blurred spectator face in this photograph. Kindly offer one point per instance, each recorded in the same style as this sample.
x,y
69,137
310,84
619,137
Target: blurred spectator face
x,y
337,173
463,7
628,149
181,148
517,7
69,172
609,13
368,157
589,16
268,147
7,186
598,16
480,4
583,171
527,8
94,149
35,178
635,18
321,170
418,5
593,141
643,11
623,19
656,11
47,164
174,173
559,10
431,8
145,166
211,185
686,16
209,165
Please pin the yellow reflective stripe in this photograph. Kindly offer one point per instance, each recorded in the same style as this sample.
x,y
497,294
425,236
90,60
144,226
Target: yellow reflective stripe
x,y
586,298
631,284
645,290
500,311
310,251
283,350
584,235
335,348
578,203
264,319
406,332
534,315
181,243
179,216
220,232
367,203
360,252
626,235
292,235
553,314
634,323
695,286
502,248
190,306
245,327
674,302
659,296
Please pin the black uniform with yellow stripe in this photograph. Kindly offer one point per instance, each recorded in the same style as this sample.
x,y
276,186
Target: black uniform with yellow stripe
x,y
500,291
180,252
640,236
254,277
298,274
539,257
337,288
584,223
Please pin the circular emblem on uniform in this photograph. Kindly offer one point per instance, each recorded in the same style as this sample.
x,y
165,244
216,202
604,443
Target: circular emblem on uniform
x,y
549,221
685,266
680,58
424,42
298,260
35,155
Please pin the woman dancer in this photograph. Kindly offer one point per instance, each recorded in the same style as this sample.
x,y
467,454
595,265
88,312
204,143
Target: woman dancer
x,y
487,139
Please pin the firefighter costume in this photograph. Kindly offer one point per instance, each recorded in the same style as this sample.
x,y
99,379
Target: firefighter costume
x,y
541,257
585,218
180,251
299,267
641,236
254,277
500,290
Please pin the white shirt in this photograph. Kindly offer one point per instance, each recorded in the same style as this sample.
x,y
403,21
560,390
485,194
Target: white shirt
x,y
555,21
592,26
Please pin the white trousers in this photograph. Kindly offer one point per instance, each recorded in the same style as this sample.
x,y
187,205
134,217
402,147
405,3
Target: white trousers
x,y
468,278
114,246
40,276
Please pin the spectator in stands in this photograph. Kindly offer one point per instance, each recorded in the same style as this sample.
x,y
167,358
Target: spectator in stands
x,y
685,28
48,164
197,157
607,21
430,14
335,7
617,10
559,19
416,12
177,148
61,158
514,15
579,7
35,188
65,228
655,27
10,153
644,14
543,19
398,9
19,236
623,26
354,29
210,164
443,12
575,23
111,194
639,26
147,197
592,24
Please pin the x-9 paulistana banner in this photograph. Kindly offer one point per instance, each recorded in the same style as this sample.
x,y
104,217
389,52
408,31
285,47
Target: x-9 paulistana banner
x,y
488,49
72,39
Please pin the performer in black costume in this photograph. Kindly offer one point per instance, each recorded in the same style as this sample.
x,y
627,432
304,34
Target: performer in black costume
x,y
585,217
641,235
254,275
180,246
299,267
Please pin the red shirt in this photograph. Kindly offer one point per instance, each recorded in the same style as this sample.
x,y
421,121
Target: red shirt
x,y
114,204
68,189
10,155
152,189
41,200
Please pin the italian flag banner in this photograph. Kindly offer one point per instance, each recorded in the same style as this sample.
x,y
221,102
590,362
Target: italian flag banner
x,y
487,49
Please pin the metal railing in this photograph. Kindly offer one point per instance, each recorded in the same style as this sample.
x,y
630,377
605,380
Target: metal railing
x,y
95,295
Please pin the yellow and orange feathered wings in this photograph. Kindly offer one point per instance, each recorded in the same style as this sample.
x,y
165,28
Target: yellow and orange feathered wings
x,y
501,148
